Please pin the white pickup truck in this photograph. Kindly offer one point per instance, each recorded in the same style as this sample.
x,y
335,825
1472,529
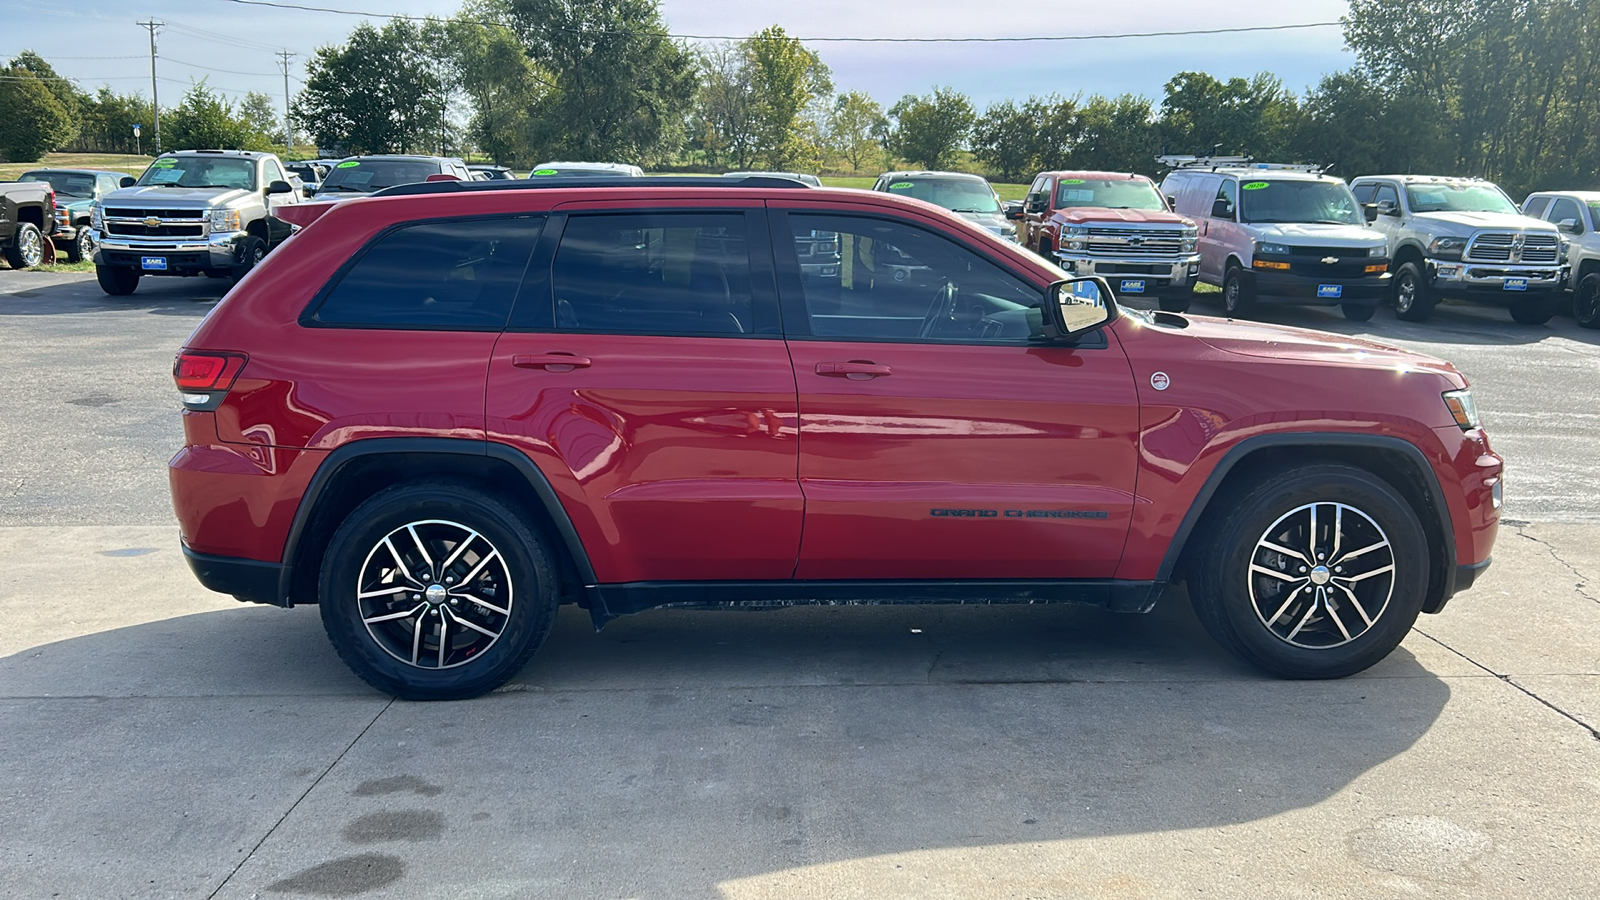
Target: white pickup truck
x,y
1577,215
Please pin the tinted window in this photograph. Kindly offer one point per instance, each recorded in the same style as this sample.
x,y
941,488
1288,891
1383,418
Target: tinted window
x,y
955,194
461,274
1536,207
657,273
899,282
1363,192
65,184
1565,208
1229,192
1387,194
368,175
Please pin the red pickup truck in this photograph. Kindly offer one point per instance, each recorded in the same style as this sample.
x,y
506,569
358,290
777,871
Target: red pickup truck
x,y
1115,225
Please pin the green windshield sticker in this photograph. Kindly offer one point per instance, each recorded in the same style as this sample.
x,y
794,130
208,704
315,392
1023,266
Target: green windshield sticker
x,y
1255,185
348,164
901,185
545,172
1072,181
163,164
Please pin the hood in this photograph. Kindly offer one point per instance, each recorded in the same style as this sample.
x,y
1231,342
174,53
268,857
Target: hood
x,y
153,197
303,214
1083,215
1259,340
1467,221
1320,235
987,219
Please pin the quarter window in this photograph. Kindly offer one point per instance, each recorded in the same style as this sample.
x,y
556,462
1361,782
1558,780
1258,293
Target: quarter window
x,y
441,275
881,280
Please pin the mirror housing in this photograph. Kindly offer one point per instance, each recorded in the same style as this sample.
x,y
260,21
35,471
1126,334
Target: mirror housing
x,y
1013,211
1037,204
1388,208
1570,226
1172,203
1076,307
1221,209
280,187
1370,211
127,181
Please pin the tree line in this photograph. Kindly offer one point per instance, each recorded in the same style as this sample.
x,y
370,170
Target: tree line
x,y
1500,88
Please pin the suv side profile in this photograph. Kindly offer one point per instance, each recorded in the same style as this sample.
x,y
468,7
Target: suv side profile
x,y
442,411
1577,215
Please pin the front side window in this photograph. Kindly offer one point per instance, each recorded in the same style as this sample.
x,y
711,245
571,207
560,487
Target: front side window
x,y
1312,202
1565,208
1535,207
363,176
272,172
1594,213
1229,193
1387,194
458,275
201,172
899,282
1108,193
657,273
1443,196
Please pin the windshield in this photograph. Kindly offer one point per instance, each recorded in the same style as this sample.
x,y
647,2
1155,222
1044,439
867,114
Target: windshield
x,y
1320,202
954,194
65,184
368,175
1439,196
201,172
1108,193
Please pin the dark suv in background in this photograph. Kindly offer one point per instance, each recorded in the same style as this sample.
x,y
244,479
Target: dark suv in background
x,y
369,174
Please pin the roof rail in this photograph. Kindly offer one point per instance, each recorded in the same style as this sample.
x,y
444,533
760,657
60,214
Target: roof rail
x,y
1214,163
603,181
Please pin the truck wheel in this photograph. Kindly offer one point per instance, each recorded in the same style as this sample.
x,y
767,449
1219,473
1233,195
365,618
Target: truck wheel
x,y
27,250
1358,312
1413,298
434,590
82,247
1586,301
1237,297
1316,572
1535,310
1175,303
253,251
118,281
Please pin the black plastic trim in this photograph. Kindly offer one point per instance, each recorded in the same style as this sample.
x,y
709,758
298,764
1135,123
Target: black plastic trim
x,y
569,182
248,580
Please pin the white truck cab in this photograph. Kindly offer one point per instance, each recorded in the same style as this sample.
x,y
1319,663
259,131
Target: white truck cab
x,y
1577,215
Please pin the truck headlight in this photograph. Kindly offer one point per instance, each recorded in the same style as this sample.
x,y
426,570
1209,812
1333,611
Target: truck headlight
x,y
225,220
1381,250
1462,409
1267,249
97,217
1447,247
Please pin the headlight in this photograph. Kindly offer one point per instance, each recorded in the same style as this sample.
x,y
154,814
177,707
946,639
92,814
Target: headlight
x,y
1447,247
1378,251
225,220
1075,231
1272,249
1462,409
97,217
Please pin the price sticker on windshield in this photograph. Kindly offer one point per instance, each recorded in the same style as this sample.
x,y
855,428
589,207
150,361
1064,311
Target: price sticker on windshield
x,y
1255,185
348,164
901,185
1072,181
544,171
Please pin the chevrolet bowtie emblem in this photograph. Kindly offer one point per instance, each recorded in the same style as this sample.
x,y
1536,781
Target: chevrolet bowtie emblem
x,y
1330,260
152,222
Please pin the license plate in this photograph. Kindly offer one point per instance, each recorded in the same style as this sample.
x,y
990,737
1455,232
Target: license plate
x,y
153,263
1516,284
1132,286
1330,290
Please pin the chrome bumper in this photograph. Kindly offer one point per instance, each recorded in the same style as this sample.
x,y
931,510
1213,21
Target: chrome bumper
x,y
1178,272
1448,275
222,248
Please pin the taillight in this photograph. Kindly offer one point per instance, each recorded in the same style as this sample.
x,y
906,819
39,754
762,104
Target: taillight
x,y
204,376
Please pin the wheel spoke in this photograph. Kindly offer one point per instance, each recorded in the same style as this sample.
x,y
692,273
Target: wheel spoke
x,y
481,602
368,595
405,570
467,579
443,643
1286,602
468,623
1365,575
416,639
1281,576
1277,548
1356,602
456,553
1338,531
1363,551
390,617
1310,611
420,547
1311,549
1334,615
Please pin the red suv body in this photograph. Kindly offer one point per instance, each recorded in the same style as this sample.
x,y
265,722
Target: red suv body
x,y
441,412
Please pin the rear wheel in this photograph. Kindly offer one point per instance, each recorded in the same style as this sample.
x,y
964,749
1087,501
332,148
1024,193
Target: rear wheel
x,y
1358,312
436,591
1237,296
1535,310
1315,572
27,249
118,281
1413,298
1586,301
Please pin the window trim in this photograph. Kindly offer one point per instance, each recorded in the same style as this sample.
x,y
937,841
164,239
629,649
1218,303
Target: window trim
x,y
308,315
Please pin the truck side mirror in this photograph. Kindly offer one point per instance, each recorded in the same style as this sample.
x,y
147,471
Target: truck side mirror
x,y
1172,203
1388,208
1221,209
280,187
1370,210
1036,203
126,181
1570,226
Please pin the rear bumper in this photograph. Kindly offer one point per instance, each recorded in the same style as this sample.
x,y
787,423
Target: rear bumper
x,y
1272,287
248,580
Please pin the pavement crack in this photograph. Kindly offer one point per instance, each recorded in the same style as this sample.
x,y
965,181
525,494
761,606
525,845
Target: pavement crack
x,y
1507,679
928,676
303,795
1582,584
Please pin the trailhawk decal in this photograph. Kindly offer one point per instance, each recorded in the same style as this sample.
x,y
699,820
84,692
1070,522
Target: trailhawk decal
x,y
1020,513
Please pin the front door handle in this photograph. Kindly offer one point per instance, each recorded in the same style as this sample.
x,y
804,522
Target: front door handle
x,y
550,362
855,370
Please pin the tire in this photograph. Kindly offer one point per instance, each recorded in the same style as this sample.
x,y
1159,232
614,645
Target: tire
x,y
251,253
118,281
1586,301
1268,619
429,523
27,247
1413,296
1175,303
82,246
1535,310
1358,312
1237,296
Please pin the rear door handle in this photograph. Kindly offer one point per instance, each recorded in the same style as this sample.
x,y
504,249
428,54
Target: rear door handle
x,y
550,362
855,370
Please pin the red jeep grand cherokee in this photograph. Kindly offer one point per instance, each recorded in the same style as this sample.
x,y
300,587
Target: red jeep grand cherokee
x,y
443,411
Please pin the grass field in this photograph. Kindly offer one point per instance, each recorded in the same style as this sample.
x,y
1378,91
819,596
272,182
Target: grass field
x,y
115,162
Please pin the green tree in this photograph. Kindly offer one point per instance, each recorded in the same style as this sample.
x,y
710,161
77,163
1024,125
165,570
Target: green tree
x,y
108,121
207,120
724,123
382,91
621,90
928,131
786,80
260,116
66,93
32,120
1254,117
502,85
1118,134
855,128
1356,127
1006,138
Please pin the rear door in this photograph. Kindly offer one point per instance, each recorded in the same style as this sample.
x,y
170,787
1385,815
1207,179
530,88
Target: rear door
x,y
937,440
644,371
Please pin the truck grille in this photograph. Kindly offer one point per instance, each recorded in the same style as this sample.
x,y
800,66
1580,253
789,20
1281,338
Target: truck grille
x,y
120,212
1506,246
1134,243
128,222
139,229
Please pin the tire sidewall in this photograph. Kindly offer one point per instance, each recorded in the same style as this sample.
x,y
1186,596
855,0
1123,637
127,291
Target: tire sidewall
x,y
1223,597
1588,317
532,577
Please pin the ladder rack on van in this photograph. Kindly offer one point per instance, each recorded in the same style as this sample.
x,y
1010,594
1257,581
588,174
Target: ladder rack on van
x,y
1214,163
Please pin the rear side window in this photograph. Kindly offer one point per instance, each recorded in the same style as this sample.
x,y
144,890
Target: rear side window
x,y
438,275
1536,207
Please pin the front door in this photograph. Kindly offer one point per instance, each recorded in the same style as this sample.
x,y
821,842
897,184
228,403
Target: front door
x,y
937,441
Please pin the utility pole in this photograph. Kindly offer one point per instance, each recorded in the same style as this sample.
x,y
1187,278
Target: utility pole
x,y
155,99
288,130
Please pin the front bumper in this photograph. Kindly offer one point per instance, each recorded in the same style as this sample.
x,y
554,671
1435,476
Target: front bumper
x,y
1454,277
1154,276
183,257
1287,287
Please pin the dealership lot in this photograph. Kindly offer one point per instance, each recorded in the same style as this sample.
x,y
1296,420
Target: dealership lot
x,y
164,741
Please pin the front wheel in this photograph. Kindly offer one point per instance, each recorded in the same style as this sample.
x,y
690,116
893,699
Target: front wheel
x,y
1237,296
1315,572
82,247
1535,310
436,591
27,249
251,254
1358,312
1586,301
1413,298
118,281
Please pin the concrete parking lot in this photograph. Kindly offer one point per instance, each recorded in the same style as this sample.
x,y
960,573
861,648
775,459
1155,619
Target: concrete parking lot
x,y
157,740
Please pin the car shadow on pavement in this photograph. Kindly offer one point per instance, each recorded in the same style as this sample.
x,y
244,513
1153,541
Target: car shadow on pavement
x,y
722,746
57,295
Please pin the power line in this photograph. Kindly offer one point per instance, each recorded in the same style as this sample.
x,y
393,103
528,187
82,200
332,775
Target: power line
x,y
214,69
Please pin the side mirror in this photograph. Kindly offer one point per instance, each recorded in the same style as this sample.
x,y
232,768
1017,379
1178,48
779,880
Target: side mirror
x,y
126,181
1570,226
1221,209
1388,208
280,187
311,190
1172,203
1014,211
1078,306
1370,210
1037,204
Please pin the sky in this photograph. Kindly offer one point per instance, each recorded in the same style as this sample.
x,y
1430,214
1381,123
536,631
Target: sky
x,y
232,45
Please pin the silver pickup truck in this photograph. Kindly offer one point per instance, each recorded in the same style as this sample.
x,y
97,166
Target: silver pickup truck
x,y
1462,239
1577,215
194,212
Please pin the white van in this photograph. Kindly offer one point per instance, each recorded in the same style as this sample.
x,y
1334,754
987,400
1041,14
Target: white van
x,y
1281,234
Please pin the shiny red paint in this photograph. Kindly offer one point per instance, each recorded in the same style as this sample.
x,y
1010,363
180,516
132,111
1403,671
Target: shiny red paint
x,y
1043,229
